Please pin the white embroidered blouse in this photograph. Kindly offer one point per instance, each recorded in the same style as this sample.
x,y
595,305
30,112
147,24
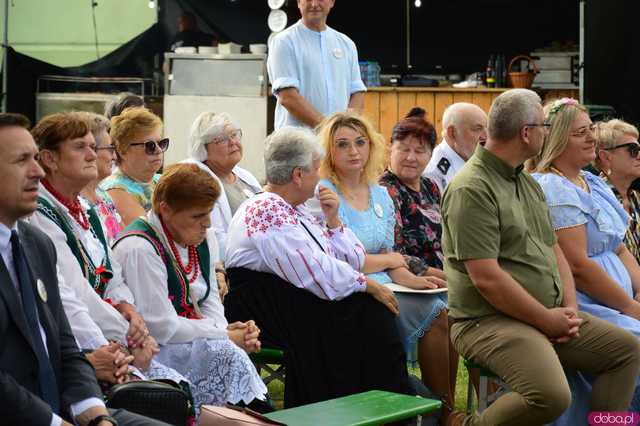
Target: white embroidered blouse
x,y
269,235
92,320
146,274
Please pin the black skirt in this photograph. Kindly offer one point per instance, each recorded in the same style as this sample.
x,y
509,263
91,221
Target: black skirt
x,y
332,348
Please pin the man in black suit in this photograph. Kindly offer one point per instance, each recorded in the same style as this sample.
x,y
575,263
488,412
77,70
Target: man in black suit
x,y
44,378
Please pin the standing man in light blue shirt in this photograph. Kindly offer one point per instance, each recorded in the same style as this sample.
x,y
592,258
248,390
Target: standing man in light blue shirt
x,y
313,69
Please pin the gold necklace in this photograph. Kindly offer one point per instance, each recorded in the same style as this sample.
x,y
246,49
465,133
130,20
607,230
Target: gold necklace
x,y
582,183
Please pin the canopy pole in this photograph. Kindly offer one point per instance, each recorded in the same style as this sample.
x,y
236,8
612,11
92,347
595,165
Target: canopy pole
x,y
5,46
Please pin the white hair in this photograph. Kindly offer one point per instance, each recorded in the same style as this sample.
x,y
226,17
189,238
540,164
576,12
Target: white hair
x,y
288,148
455,115
206,127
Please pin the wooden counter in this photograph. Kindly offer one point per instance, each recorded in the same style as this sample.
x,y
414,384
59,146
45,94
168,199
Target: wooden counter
x,y
384,106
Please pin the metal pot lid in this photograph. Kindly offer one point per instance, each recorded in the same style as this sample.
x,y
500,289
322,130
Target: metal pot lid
x,y
277,20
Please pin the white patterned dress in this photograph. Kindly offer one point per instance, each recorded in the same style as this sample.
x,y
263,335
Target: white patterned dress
x,y
219,371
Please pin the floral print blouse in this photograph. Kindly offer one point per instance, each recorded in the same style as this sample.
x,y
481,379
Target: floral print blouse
x,y
632,236
418,230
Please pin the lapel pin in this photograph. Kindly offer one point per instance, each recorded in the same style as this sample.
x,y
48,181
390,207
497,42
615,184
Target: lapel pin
x,y
377,208
42,291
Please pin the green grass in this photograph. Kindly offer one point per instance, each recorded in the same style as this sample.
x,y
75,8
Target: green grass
x,y
276,388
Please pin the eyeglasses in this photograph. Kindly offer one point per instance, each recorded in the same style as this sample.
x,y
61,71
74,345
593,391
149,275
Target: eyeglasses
x,y
632,147
150,147
546,126
584,130
109,148
345,144
223,140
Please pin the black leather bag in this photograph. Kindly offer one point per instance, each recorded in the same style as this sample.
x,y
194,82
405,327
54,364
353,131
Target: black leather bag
x,y
163,400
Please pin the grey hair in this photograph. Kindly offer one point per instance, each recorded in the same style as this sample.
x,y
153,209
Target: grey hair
x,y
97,124
288,148
511,111
206,127
454,115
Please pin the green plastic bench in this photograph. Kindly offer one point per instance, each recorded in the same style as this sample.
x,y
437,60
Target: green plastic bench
x,y
363,409
265,360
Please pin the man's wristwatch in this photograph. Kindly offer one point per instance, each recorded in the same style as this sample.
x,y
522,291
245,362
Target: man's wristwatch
x,y
101,418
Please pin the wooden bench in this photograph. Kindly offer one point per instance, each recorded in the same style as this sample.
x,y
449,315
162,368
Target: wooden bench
x,y
363,409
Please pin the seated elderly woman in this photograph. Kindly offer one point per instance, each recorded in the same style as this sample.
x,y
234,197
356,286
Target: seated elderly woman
x,y
617,159
96,300
216,147
169,259
589,221
418,234
137,134
106,156
299,280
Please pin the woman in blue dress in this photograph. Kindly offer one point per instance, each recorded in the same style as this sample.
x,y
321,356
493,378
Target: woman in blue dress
x,y
590,224
355,159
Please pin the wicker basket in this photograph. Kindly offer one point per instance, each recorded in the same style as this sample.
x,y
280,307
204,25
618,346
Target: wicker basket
x,y
522,80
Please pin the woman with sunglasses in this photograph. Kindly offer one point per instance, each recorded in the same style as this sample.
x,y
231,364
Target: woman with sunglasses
x,y
215,145
590,225
619,165
140,147
106,156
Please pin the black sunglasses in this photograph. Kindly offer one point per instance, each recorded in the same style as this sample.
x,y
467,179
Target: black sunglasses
x,y
151,146
632,147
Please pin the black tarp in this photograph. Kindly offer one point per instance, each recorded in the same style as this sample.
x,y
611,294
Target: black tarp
x,y
135,58
612,56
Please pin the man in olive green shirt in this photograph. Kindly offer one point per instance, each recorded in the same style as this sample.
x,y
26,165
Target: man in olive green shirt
x,y
511,292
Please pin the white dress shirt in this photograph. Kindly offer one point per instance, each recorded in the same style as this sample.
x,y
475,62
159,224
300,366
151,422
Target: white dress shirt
x,y
7,257
440,173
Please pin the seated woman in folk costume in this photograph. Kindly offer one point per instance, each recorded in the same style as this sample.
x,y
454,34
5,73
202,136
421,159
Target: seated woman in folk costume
x,y
169,260
96,300
299,280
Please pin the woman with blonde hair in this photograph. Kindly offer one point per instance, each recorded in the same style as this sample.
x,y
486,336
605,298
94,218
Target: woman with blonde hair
x,y
617,159
589,221
356,157
140,147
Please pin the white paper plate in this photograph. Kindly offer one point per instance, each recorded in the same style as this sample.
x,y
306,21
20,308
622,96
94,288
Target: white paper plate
x,y
397,288
276,4
277,20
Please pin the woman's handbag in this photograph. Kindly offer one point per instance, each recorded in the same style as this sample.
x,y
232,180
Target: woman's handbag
x,y
162,399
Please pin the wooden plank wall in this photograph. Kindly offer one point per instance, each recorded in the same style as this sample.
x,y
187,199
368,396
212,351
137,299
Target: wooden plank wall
x,y
385,108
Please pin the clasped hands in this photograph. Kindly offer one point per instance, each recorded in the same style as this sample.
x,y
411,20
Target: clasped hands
x,y
245,335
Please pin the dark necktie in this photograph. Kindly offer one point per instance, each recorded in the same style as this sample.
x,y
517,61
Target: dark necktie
x,y
46,376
